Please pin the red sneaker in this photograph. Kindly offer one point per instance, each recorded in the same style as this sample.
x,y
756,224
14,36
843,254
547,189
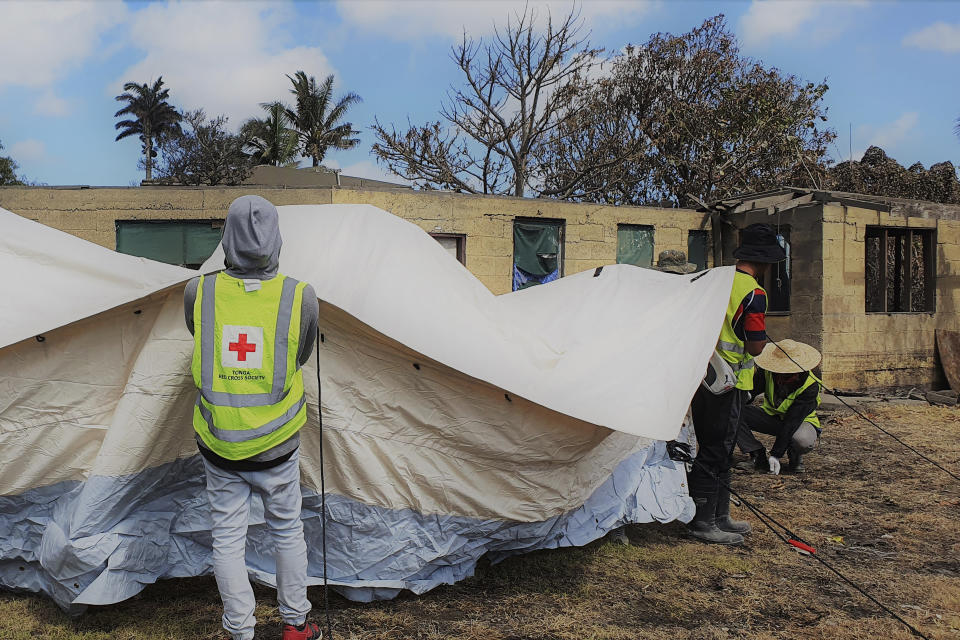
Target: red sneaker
x,y
309,631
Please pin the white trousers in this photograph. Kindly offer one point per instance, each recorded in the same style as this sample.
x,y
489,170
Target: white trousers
x,y
229,495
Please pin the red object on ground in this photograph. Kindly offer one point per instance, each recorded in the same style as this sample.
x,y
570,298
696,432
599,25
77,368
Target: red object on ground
x,y
802,546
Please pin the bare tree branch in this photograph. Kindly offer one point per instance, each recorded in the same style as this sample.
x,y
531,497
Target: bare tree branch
x,y
500,116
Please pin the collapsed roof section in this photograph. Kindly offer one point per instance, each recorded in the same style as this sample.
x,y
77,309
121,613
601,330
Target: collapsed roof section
x,y
787,198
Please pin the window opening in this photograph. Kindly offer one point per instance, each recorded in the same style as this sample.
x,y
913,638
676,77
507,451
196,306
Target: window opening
x,y
778,289
454,243
698,242
899,275
635,244
537,251
187,243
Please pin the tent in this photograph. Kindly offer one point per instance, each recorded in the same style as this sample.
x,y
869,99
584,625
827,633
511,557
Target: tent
x,y
455,423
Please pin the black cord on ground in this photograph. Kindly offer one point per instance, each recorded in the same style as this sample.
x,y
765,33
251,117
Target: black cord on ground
x,y
856,411
904,444
682,454
810,551
323,499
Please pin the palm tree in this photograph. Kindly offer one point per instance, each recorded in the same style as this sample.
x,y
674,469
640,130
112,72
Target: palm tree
x,y
153,116
272,139
317,124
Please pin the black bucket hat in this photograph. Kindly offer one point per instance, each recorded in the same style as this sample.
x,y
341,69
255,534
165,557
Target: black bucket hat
x,y
758,243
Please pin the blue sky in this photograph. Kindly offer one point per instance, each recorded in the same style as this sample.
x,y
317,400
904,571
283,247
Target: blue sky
x,y
893,67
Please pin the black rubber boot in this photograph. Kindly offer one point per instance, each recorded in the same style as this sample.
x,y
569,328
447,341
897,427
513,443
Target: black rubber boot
x,y
794,461
704,524
724,523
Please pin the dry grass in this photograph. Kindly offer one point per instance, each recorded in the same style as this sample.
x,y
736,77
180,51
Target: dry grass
x,y
885,518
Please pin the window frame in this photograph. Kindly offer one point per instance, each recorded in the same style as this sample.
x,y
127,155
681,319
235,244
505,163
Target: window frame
x,y
461,239
559,223
653,241
184,223
699,233
784,230
929,243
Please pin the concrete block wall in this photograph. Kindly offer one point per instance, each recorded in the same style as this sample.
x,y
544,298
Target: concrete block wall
x,y
881,350
590,231
92,213
487,222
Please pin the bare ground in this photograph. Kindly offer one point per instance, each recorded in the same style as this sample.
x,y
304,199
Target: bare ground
x,y
884,517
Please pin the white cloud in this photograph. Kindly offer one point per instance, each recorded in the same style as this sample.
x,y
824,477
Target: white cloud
x,y
50,104
767,21
28,151
939,36
221,57
420,18
43,41
886,136
368,169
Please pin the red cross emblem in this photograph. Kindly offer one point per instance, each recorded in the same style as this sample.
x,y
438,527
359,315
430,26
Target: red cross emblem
x,y
242,347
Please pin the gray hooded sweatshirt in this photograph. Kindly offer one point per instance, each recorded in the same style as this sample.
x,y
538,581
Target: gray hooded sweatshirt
x,y
251,246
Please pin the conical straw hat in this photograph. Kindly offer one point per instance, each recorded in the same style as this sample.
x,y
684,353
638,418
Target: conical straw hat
x,y
786,355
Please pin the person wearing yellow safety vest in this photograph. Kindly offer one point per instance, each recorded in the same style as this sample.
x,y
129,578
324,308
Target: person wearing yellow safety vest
x,y
253,329
716,413
791,395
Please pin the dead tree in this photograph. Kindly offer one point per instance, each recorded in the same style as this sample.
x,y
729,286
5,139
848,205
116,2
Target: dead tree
x,y
492,126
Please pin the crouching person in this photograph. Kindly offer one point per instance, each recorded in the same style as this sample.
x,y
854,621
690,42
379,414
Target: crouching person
x,y
791,395
253,330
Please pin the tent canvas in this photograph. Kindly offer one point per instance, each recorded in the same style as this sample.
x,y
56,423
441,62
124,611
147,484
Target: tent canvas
x,y
455,423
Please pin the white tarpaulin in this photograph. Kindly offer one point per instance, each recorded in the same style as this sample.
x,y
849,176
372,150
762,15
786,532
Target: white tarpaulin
x,y
455,422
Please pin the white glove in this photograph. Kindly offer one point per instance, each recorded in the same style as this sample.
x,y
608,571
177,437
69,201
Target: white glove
x,y
774,465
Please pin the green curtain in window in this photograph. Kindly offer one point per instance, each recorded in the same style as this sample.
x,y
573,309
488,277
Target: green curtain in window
x,y
199,243
182,243
160,241
697,248
536,247
635,245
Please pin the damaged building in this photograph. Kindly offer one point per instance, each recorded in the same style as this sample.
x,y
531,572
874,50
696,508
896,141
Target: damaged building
x,y
869,281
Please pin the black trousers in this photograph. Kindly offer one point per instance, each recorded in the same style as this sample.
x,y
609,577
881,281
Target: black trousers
x,y
754,418
716,420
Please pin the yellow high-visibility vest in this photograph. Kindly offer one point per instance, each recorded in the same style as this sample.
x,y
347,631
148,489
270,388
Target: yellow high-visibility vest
x,y
250,386
780,410
730,347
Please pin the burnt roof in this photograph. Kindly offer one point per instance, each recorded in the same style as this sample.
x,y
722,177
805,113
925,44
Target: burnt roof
x,y
785,198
